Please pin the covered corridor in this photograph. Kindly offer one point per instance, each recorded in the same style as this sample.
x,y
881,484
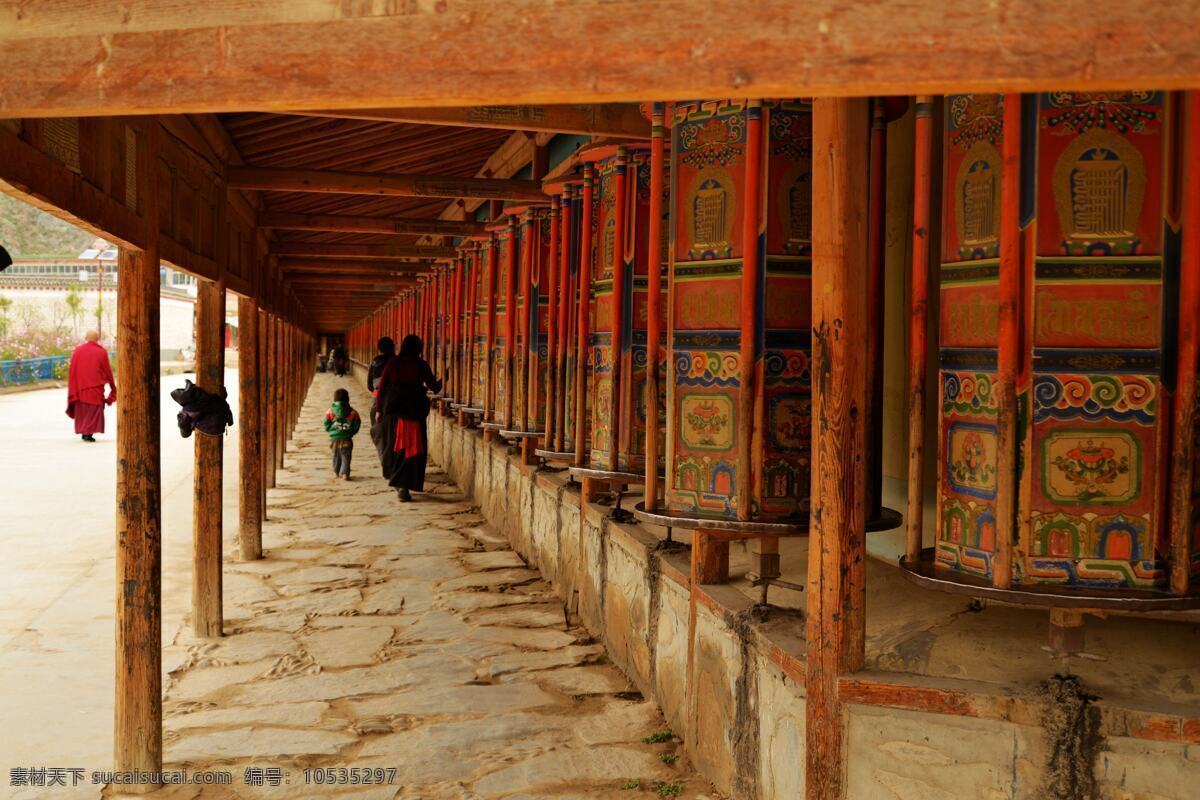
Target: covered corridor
x,y
408,639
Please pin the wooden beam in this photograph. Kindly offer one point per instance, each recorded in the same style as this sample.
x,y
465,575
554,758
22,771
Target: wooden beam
x,y
59,60
392,184
352,266
616,120
37,179
249,434
351,224
835,629
137,726
209,457
382,252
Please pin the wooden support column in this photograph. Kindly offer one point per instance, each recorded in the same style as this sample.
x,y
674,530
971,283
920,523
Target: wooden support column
x,y
137,730
564,314
209,458
1184,450
654,301
524,355
1008,352
918,310
277,410
510,321
555,311
836,592
489,379
585,303
619,424
265,459
752,322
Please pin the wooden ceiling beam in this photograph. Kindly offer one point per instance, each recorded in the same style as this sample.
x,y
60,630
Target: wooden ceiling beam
x,y
616,120
59,61
382,252
450,186
356,224
350,265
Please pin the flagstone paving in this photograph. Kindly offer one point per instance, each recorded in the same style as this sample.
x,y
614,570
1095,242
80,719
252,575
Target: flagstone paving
x,y
375,634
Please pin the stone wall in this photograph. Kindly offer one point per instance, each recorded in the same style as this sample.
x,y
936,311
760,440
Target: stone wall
x,y
732,686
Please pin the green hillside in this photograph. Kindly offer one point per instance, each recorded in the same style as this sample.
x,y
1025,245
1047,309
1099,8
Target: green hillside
x,y
27,232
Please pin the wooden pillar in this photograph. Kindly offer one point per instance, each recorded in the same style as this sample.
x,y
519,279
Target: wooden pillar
x,y
1184,450
137,730
277,409
617,325
1008,353
565,296
654,301
836,592
209,458
266,375
555,311
752,323
489,379
524,357
585,303
510,321
472,321
918,310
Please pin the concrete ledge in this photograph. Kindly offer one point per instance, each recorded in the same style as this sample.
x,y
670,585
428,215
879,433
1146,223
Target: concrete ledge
x,y
732,685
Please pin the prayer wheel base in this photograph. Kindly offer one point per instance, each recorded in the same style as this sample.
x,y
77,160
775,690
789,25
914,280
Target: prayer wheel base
x,y
926,573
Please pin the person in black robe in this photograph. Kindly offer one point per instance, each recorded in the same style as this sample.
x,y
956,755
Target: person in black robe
x,y
403,408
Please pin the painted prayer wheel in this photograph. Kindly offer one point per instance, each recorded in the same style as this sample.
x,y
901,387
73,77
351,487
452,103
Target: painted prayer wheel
x,y
717,165
479,351
559,389
534,303
617,267
504,242
1055,448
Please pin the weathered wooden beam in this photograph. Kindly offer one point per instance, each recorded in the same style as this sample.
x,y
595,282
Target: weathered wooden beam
x,y
249,424
381,252
207,523
393,184
59,60
352,224
835,630
615,120
37,179
351,267
137,736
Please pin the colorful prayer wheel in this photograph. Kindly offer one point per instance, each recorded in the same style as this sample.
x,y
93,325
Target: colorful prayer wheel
x,y
502,331
533,304
616,265
1060,325
557,444
740,312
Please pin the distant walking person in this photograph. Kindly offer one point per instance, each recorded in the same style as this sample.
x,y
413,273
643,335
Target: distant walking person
x,y
342,422
403,408
340,361
88,374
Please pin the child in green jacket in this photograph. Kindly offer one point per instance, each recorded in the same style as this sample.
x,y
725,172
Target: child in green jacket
x,y
342,422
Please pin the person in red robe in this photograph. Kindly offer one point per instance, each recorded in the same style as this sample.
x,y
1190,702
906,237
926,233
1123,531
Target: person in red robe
x,y
89,373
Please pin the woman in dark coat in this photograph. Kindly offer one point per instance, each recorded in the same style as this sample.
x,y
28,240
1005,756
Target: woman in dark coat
x,y
403,409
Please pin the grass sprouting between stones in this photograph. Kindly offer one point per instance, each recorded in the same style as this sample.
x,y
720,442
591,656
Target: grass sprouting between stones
x,y
658,737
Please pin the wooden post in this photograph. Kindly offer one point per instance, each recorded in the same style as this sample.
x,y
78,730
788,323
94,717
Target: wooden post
x,y
621,211
555,311
489,389
585,307
751,311
137,733
472,321
654,302
264,416
872,432
277,409
710,558
527,353
918,309
510,321
565,298
1184,450
1007,354
836,593
209,455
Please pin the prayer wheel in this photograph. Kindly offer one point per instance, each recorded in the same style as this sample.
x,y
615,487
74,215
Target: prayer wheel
x,y
530,369
616,267
558,441
740,311
502,330
1058,474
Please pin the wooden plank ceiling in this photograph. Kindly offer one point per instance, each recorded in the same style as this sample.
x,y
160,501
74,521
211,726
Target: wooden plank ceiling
x,y
338,291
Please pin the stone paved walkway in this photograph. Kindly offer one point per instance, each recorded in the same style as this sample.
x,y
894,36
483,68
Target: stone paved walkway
x,y
380,635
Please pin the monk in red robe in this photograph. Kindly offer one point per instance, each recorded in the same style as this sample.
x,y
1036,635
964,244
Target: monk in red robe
x,y
89,373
